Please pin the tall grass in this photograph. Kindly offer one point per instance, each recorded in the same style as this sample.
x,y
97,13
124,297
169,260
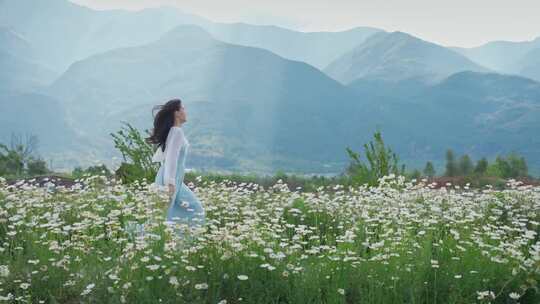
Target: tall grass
x,y
398,242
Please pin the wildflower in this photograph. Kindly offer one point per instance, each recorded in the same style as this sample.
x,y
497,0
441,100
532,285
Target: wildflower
x,y
514,295
201,286
242,277
24,286
173,281
4,271
88,289
485,294
341,291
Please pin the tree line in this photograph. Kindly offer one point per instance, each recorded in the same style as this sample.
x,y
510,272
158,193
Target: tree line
x,y
20,158
510,166
365,167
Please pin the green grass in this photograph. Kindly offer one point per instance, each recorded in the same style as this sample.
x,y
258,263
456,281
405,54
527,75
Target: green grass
x,y
396,243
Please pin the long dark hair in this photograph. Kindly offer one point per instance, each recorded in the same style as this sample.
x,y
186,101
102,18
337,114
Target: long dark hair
x,y
163,121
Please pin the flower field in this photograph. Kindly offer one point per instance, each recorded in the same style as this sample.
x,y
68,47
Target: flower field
x,y
399,242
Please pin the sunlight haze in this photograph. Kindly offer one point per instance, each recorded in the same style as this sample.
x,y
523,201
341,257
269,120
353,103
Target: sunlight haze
x,y
450,23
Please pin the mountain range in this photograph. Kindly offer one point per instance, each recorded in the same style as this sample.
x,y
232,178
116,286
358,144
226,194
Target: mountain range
x,y
289,110
507,57
20,69
399,56
259,98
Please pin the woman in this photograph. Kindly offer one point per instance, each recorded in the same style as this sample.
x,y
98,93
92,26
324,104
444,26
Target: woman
x,y
172,146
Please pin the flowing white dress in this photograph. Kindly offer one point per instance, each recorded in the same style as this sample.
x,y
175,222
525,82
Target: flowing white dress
x,y
184,206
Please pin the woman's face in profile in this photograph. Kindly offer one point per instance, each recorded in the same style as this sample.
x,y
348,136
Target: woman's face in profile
x,y
181,114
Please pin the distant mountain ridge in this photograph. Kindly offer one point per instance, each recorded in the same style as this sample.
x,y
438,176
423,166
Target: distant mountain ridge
x,y
529,64
73,32
398,56
257,99
482,114
292,113
79,32
289,108
315,48
19,70
506,56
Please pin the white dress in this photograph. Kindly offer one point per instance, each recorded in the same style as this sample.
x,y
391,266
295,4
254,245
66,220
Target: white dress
x,y
176,140
184,206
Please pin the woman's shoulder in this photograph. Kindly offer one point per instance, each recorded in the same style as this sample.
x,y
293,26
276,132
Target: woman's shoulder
x,y
176,132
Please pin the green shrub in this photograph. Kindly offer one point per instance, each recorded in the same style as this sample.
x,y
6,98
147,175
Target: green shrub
x,y
37,166
137,155
19,159
381,162
79,172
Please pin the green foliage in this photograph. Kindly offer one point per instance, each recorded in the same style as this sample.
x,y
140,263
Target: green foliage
x,y
416,174
503,165
513,166
381,161
84,247
494,170
280,175
465,165
481,166
294,182
19,160
137,155
37,166
429,170
518,165
451,168
79,172
11,162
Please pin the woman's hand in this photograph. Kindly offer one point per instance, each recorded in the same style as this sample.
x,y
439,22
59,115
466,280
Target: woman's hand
x,y
171,189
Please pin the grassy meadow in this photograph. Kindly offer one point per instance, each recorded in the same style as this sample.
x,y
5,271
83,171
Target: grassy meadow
x,y
398,242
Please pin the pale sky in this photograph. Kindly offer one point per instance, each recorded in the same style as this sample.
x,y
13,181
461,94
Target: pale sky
x,y
465,23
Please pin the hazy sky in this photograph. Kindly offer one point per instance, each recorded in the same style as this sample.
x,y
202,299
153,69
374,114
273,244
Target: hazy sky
x,y
452,22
